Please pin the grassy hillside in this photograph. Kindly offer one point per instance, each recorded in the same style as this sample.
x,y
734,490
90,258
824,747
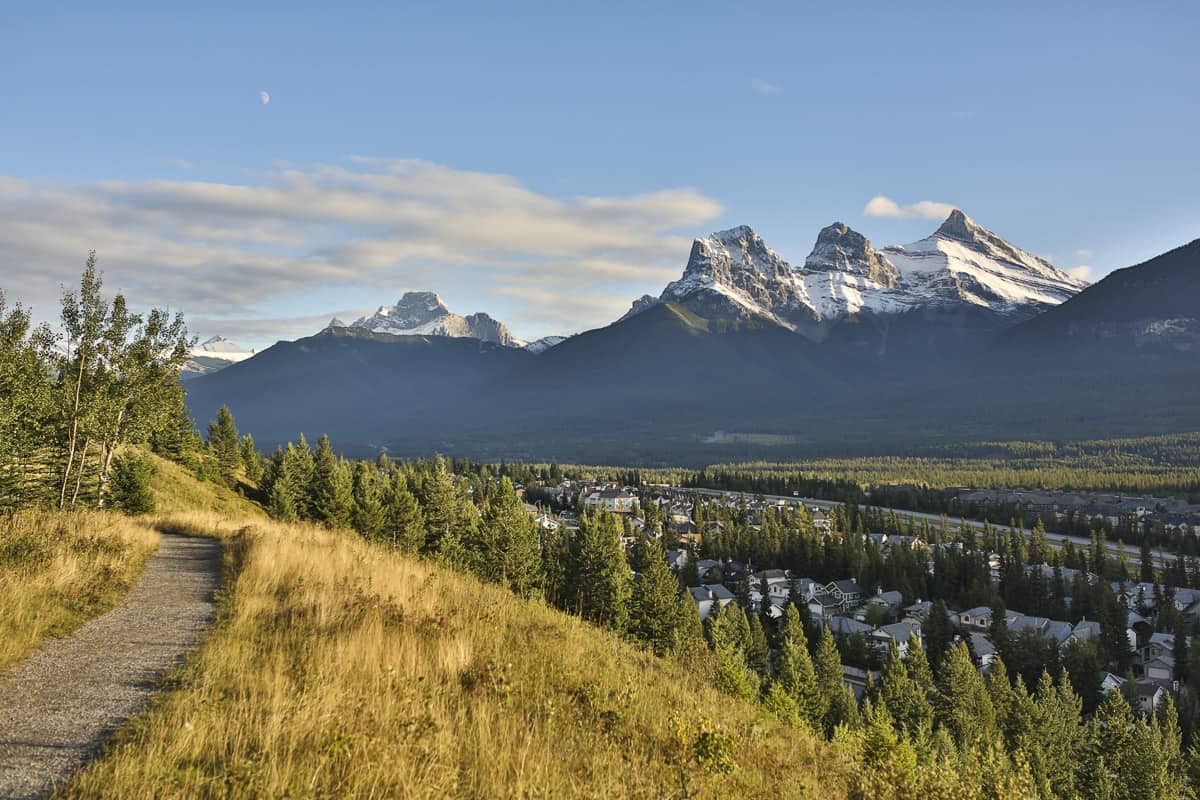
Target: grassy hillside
x,y
59,570
177,490
342,669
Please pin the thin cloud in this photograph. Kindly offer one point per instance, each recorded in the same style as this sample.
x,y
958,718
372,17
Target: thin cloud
x,y
180,163
765,87
883,206
230,250
1083,272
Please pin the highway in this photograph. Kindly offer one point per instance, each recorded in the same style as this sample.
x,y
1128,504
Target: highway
x,y
1163,556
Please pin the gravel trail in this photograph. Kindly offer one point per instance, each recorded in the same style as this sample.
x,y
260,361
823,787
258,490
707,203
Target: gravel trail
x,y
58,706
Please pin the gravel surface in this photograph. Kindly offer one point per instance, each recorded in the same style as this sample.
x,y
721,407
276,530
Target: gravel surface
x,y
58,706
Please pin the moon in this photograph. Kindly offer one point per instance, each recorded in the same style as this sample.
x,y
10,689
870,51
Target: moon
x,y
266,98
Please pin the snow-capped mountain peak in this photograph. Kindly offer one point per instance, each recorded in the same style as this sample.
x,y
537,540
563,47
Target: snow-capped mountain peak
x,y
733,274
426,314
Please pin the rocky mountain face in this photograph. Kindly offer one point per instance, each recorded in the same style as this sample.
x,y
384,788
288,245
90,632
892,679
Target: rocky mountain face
x,y
959,271
426,314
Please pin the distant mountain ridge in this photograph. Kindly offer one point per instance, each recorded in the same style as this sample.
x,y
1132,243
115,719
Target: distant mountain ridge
x,y
970,342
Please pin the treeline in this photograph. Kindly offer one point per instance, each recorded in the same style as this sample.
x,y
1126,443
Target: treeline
x,y
70,402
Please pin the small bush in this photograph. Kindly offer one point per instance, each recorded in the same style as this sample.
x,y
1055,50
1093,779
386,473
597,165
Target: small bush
x,y
130,487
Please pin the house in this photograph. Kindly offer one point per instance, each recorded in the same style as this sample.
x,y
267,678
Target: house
x,y
918,610
1159,668
615,501
1085,630
1110,683
1151,694
888,602
857,679
820,520
979,618
984,651
805,589
823,605
709,597
843,627
709,570
847,592
677,559
898,633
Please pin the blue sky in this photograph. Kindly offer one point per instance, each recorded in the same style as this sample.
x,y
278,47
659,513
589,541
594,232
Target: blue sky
x,y
617,132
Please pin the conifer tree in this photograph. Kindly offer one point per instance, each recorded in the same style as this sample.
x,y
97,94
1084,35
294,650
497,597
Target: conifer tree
x,y
653,607
251,464
794,670
223,444
904,697
756,646
130,490
598,577
369,516
840,706
404,522
442,506
505,546
962,704
331,491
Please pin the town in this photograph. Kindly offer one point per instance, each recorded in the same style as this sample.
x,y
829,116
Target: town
x,y
1126,641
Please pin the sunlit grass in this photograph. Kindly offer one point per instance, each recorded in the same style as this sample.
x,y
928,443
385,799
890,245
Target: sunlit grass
x,y
57,570
340,669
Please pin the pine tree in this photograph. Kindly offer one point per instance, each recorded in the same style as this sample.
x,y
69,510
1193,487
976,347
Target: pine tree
x,y
442,506
962,704
331,491
505,548
756,646
904,697
937,633
369,516
840,706
794,670
598,577
653,606
224,446
130,489
251,463
404,523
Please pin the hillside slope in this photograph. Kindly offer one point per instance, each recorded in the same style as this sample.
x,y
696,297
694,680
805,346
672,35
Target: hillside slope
x,y
344,670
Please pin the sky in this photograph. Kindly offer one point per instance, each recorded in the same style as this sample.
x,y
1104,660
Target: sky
x,y
265,166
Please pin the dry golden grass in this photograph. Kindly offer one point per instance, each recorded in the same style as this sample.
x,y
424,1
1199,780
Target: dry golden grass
x,y
339,669
57,570
176,490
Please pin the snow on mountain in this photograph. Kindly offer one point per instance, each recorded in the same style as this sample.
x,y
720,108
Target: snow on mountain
x,y
222,348
965,261
425,314
539,346
335,323
213,355
733,273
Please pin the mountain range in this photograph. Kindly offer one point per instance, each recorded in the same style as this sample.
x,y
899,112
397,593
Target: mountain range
x,y
960,334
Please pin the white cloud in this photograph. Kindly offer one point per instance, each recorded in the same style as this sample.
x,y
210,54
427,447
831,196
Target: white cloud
x,y
883,206
1085,254
765,87
230,250
264,97
1083,272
